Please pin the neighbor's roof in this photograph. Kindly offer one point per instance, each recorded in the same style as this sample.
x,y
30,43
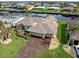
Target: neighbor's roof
x,y
73,21
40,7
68,8
75,36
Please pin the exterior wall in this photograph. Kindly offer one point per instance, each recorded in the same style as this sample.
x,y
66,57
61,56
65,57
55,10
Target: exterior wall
x,y
49,35
36,34
40,35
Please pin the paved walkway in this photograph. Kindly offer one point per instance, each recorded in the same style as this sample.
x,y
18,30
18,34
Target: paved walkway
x,y
33,46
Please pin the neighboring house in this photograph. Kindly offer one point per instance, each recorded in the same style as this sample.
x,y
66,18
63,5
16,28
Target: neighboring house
x,y
68,9
41,30
75,37
39,26
39,8
42,7
69,5
29,6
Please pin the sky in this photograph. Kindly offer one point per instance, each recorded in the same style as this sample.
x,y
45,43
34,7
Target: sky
x,y
41,0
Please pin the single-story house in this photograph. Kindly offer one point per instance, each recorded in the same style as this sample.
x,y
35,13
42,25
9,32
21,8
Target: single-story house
x,y
43,7
68,9
29,6
42,30
39,26
70,5
39,8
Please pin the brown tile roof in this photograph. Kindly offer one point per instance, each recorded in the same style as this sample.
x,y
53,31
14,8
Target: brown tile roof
x,y
29,21
28,6
75,36
40,25
40,28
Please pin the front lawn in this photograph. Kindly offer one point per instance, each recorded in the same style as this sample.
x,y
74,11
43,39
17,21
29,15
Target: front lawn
x,y
11,49
56,53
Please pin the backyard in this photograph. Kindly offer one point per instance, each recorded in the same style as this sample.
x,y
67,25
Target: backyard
x,y
11,49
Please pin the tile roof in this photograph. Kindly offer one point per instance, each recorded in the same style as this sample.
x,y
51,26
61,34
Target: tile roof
x,y
41,25
75,36
29,21
40,28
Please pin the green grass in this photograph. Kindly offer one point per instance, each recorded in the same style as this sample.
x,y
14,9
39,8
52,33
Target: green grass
x,y
61,33
56,53
11,49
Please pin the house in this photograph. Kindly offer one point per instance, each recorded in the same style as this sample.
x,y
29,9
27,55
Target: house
x,y
40,30
75,37
29,6
39,26
39,8
42,7
69,5
39,15
68,9
53,8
